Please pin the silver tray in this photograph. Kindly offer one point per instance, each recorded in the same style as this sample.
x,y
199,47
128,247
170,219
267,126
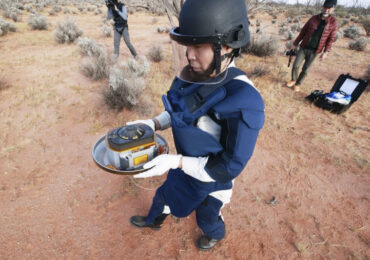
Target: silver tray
x,y
99,152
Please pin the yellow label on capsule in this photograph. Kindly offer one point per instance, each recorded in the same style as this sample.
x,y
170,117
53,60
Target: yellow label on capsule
x,y
140,159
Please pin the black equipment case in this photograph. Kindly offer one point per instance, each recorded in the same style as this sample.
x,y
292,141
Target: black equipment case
x,y
345,83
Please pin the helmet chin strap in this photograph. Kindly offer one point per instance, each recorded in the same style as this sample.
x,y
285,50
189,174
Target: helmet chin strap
x,y
218,59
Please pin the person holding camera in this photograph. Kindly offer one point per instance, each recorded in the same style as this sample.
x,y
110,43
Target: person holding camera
x,y
316,37
119,16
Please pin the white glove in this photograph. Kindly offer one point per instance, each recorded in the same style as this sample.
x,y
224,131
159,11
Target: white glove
x,y
148,122
160,164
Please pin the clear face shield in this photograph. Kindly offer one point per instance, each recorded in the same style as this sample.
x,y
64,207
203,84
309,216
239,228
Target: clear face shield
x,y
195,63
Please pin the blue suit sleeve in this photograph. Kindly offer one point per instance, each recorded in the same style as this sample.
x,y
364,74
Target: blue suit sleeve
x,y
239,134
239,148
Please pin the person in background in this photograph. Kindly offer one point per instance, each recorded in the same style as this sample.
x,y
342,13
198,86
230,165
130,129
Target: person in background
x,y
119,16
315,38
215,113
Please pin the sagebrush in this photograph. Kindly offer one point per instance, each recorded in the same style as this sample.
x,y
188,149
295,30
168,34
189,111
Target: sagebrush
x,y
67,31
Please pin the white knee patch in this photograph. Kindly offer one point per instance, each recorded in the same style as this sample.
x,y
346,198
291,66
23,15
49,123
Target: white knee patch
x,y
166,210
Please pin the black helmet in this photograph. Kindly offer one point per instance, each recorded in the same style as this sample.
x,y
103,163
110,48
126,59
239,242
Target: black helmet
x,y
221,22
330,3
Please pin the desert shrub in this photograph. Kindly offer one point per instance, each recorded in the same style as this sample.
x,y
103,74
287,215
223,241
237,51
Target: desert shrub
x,y
125,86
288,35
57,9
67,31
365,22
339,35
259,70
339,12
163,29
66,10
89,47
138,67
98,11
12,13
6,27
282,30
295,27
155,53
126,96
359,45
106,30
39,7
343,22
38,22
262,46
95,67
292,13
352,32
29,8
310,10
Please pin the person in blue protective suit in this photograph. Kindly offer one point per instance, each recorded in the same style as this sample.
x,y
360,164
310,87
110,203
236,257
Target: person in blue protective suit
x,y
119,16
215,113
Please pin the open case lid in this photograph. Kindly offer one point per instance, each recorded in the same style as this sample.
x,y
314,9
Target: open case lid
x,y
350,86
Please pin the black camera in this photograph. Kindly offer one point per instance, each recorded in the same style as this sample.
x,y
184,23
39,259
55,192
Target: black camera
x,y
110,2
290,53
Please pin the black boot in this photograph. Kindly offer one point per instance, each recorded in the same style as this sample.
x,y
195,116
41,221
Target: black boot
x,y
206,243
139,221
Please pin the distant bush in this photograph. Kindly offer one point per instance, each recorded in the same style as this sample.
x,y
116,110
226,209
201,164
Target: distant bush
x,y
67,31
96,65
106,30
359,45
88,47
29,8
66,10
352,32
57,9
163,29
138,67
155,53
343,22
295,27
125,84
339,35
6,27
340,13
365,22
310,10
259,70
38,22
292,13
262,46
288,35
12,13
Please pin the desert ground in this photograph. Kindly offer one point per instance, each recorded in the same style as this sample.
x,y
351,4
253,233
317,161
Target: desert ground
x,y
56,203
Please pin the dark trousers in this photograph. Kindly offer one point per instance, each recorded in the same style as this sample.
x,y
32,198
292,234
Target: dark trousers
x,y
208,215
126,38
308,56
